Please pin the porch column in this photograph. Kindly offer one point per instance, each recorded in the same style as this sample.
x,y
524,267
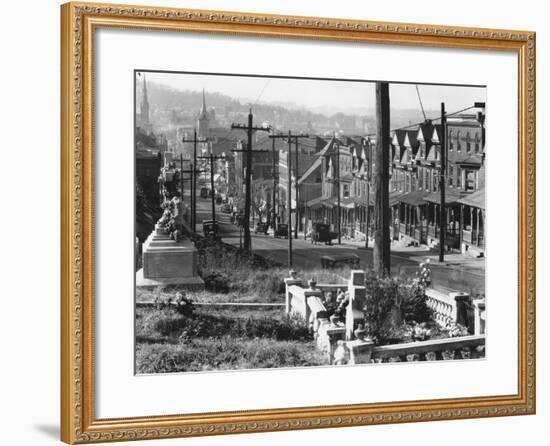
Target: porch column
x,y
477,227
436,218
453,221
461,225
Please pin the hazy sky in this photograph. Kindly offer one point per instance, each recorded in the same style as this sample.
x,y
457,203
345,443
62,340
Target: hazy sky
x,y
314,94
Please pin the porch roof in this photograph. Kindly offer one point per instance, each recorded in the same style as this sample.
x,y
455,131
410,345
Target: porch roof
x,y
451,196
475,199
394,197
315,203
414,198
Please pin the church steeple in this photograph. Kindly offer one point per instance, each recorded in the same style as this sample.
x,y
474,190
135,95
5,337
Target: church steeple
x,y
145,103
203,120
203,113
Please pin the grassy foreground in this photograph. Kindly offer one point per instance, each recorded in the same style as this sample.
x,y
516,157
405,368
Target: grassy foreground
x,y
221,339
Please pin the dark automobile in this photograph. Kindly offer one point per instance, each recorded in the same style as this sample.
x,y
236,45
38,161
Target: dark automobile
x,y
334,261
226,208
204,192
210,229
261,228
219,199
238,219
321,233
281,231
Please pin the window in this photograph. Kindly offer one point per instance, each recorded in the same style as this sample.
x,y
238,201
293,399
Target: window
x,y
470,185
458,178
450,138
346,190
468,144
458,146
451,175
427,179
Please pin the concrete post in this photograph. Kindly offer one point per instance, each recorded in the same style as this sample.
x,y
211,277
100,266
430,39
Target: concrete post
x,y
289,281
310,291
479,316
460,315
357,300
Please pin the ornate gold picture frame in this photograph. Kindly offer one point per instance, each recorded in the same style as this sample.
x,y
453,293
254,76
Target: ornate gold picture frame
x,y
79,23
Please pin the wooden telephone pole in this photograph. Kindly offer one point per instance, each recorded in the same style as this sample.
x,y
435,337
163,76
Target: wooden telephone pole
x,y
211,158
338,194
195,140
368,155
381,176
442,184
297,188
275,174
193,171
288,137
250,129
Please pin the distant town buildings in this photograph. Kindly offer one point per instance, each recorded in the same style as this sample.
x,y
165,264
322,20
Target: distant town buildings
x,y
341,166
331,171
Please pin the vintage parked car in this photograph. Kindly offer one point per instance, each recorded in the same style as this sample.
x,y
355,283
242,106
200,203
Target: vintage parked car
x,y
210,229
238,219
334,261
321,233
226,208
281,231
261,228
219,199
204,192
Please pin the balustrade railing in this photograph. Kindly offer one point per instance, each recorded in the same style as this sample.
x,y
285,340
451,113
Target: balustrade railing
x,y
333,338
463,347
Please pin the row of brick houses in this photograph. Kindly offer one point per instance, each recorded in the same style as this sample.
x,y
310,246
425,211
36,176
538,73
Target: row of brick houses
x,y
415,191
328,166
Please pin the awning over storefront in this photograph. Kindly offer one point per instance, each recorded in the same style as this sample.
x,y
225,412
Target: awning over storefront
x,y
475,199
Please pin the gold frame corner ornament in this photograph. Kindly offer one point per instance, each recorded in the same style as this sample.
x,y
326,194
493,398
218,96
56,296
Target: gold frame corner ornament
x,y
78,22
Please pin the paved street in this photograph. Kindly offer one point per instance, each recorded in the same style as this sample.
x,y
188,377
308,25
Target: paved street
x,y
458,273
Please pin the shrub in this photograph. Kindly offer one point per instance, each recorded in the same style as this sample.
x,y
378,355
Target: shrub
x,y
413,305
381,299
184,305
390,301
216,282
169,323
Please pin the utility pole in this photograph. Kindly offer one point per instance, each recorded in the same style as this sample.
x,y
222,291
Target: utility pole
x,y
296,186
211,158
381,251
368,155
193,173
250,129
288,138
442,184
338,193
275,179
195,140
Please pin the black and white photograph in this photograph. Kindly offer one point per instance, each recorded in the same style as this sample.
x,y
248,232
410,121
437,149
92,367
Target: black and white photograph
x,y
286,222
